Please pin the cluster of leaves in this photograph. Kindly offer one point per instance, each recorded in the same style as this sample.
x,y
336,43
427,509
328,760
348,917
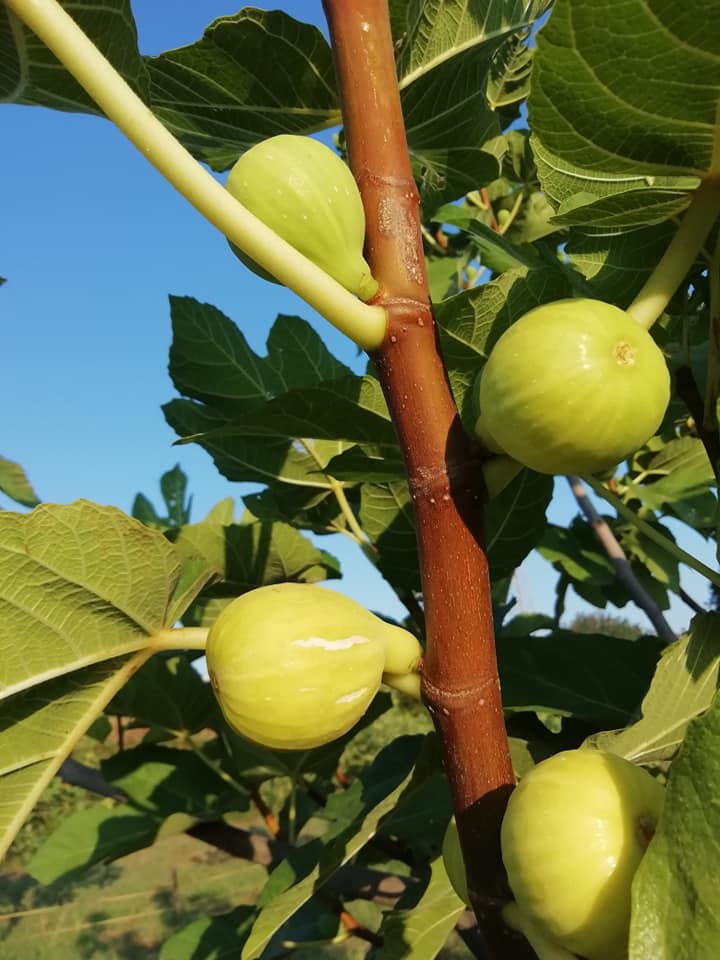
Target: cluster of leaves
x,y
582,205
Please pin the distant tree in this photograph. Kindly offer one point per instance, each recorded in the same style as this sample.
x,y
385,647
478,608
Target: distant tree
x,y
605,623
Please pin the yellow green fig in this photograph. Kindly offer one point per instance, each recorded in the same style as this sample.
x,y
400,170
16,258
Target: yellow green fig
x,y
573,835
295,665
572,387
303,191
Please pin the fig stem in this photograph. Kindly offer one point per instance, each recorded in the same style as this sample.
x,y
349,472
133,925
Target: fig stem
x,y
180,638
651,533
359,535
355,532
503,228
407,683
680,255
364,324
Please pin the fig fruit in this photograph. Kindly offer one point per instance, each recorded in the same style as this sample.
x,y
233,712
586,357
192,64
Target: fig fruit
x,y
294,665
572,387
572,838
454,863
303,191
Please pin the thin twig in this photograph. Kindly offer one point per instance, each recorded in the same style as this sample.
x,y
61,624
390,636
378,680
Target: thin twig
x,y
77,774
620,562
691,601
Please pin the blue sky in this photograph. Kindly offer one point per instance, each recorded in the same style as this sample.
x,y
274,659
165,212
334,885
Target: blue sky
x,y
92,242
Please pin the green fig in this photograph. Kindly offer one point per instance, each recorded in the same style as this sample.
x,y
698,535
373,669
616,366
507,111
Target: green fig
x,y
572,387
303,191
572,838
295,665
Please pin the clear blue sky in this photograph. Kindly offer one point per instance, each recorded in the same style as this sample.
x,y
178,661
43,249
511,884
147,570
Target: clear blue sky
x,y
92,241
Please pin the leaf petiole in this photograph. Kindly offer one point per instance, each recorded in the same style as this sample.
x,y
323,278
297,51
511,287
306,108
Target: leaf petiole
x,y
179,638
684,247
651,533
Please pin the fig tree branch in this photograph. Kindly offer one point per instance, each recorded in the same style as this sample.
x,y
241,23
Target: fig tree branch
x,y
691,601
620,562
460,680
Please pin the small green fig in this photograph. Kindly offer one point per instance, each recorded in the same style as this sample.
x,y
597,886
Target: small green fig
x,y
454,863
572,387
295,666
303,191
572,838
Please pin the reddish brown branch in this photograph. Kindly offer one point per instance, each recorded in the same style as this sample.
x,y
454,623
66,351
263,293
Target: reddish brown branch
x,y
460,682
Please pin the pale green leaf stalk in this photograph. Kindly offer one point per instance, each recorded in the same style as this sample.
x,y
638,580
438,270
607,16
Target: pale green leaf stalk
x,y
364,324
179,638
651,533
680,255
407,683
68,718
684,247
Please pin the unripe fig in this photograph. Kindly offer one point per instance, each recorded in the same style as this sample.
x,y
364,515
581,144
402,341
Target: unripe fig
x,y
572,838
572,387
454,863
304,192
295,665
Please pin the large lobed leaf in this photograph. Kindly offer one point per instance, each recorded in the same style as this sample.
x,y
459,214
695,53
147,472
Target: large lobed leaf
x,y
81,584
448,54
252,75
259,73
595,678
623,107
264,418
683,688
83,591
677,886
31,74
